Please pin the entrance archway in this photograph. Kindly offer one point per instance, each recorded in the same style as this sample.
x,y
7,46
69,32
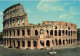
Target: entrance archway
x,y
47,43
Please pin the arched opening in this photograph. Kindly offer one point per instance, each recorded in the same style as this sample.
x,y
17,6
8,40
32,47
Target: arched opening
x,y
10,43
42,43
23,20
69,41
56,41
47,43
51,32
41,31
63,32
18,32
59,32
35,43
63,42
18,22
29,43
59,41
14,33
36,32
66,42
18,44
28,32
71,33
23,32
55,32
55,27
14,43
66,32
10,32
47,32
23,44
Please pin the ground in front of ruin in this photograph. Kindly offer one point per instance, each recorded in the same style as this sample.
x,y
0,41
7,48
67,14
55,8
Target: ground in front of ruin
x,y
20,52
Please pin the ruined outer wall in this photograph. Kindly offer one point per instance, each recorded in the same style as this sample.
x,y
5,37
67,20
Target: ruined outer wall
x,y
17,32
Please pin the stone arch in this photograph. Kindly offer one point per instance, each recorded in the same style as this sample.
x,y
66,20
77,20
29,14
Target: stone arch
x,y
55,27
35,43
51,32
23,32
71,33
55,32
66,32
47,32
28,32
14,43
18,32
36,32
23,44
59,41
23,20
71,41
56,41
59,32
66,42
63,42
29,44
63,32
41,31
18,44
42,43
47,43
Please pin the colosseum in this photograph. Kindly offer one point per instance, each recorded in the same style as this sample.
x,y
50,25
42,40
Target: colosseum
x,y
19,33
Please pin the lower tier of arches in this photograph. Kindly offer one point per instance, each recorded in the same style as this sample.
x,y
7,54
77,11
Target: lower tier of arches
x,y
40,43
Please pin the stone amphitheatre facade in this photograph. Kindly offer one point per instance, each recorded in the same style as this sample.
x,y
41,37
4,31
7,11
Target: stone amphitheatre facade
x,y
18,33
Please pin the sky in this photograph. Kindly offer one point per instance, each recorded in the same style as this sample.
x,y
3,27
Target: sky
x,y
46,10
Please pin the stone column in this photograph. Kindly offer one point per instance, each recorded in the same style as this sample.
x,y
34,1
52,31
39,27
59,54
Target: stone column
x,y
20,43
11,43
32,44
61,41
15,33
16,43
38,45
26,43
20,32
51,43
25,32
26,21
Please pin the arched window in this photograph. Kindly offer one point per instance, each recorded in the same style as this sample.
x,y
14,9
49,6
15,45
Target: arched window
x,y
51,32
36,32
55,27
56,41
63,32
23,20
66,32
47,43
71,33
55,32
35,43
59,41
18,21
41,31
18,32
28,32
42,43
47,32
59,32
29,43
23,44
63,42
23,32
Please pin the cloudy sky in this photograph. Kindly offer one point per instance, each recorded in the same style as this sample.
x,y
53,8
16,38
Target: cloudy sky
x,y
46,10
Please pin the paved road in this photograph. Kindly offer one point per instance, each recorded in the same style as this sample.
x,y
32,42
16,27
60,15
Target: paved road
x,y
19,52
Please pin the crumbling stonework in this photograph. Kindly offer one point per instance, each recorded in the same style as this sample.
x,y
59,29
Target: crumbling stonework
x,y
17,32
